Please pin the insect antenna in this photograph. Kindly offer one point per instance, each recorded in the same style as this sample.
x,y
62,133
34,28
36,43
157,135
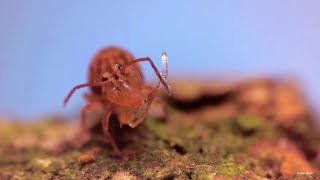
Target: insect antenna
x,y
95,84
164,72
161,77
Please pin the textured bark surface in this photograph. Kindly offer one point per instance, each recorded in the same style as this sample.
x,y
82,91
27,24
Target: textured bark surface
x,y
253,129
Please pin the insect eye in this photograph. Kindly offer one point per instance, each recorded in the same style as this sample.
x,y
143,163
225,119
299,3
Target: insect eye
x,y
119,66
146,100
104,79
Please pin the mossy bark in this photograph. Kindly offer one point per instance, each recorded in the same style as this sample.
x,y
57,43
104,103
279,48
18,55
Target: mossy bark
x,y
185,144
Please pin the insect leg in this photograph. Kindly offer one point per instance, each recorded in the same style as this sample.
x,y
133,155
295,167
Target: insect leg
x,y
84,111
142,112
84,136
95,84
105,127
162,79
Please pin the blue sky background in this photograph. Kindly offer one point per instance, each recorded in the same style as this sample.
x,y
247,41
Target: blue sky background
x,y
46,46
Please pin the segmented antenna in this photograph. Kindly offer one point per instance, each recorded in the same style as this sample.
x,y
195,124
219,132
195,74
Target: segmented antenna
x,y
164,59
164,71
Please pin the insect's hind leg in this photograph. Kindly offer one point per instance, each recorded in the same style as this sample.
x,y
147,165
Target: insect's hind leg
x,y
91,106
105,127
84,136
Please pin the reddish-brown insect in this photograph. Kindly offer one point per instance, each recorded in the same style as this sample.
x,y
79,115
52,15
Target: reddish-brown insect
x,y
117,87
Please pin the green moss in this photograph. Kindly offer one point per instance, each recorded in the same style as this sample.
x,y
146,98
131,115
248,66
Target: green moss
x,y
203,172
160,150
230,167
249,123
158,128
68,173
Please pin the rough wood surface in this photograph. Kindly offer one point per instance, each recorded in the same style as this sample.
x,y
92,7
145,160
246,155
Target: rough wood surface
x,y
253,129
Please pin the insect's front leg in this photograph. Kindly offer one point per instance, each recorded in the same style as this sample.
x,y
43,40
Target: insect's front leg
x,y
143,110
162,77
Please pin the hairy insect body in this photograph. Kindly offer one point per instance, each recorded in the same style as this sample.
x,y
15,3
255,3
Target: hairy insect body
x,y
126,91
103,62
117,87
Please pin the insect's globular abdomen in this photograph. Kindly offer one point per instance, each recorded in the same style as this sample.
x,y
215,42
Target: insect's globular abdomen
x,y
104,60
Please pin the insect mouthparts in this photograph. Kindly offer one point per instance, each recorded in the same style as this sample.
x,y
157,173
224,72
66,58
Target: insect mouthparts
x,y
116,77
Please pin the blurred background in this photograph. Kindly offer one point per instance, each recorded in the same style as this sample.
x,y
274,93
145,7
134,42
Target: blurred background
x,y
46,46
